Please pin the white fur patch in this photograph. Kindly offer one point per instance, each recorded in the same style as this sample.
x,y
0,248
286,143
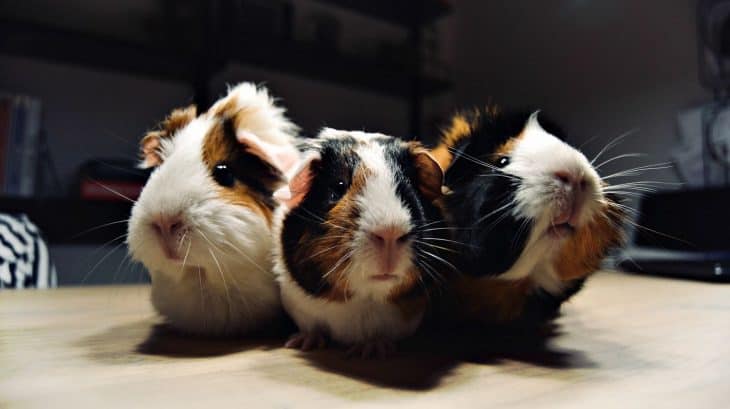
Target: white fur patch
x,y
366,315
536,158
225,282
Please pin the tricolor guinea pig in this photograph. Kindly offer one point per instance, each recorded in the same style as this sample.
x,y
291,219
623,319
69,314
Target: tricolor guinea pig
x,y
202,224
356,249
531,214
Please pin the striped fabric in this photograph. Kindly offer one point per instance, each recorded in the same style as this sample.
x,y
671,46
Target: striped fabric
x,y
24,258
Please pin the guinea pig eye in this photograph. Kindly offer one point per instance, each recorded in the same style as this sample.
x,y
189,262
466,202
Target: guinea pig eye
x,y
503,161
223,175
337,190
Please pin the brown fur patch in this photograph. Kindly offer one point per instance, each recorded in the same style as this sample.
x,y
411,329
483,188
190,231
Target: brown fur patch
x,y
219,147
150,143
332,247
508,147
460,128
583,252
430,173
487,300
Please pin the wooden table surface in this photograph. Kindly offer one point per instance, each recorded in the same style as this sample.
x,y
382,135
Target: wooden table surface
x,y
625,341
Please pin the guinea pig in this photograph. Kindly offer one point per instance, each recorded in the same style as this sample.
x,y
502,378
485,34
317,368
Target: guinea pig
x,y
530,213
357,250
202,224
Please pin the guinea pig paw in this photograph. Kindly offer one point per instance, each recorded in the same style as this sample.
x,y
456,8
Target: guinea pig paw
x,y
306,341
379,349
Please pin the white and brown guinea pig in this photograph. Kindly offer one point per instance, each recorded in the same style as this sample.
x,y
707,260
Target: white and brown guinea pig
x,y
357,251
532,214
202,224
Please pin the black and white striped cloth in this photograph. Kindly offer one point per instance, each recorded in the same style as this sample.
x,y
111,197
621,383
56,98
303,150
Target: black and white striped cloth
x,y
24,258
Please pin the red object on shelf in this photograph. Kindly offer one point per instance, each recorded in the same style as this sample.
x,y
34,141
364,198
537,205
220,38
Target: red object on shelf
x,y
109,190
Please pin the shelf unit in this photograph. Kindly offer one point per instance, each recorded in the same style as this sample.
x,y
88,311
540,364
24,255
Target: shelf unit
x,y
217,49
62,220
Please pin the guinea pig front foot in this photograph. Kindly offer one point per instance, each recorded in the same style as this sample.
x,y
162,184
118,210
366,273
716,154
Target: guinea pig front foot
x,y
379,349
306,341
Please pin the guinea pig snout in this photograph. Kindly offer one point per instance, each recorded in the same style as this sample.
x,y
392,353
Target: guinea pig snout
x,y
390,245
571,189
169,230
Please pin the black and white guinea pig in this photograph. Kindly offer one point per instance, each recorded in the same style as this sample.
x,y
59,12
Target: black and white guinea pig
x,y
533,216
202,224
356,249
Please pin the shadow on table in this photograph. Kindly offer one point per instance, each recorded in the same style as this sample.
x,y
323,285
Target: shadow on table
x,y
424,360
131,342
164,340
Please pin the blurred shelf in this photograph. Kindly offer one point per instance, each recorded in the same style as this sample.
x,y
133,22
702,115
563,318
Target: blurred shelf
x,y
400,12
54,44
73,221
328,65
89,50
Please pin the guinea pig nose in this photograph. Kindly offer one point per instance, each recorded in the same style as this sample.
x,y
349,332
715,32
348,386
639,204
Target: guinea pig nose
x,y
564,177
571,179
388,235
168,226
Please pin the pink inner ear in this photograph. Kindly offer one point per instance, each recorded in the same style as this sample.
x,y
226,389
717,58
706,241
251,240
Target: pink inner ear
x,y
299,184
283,157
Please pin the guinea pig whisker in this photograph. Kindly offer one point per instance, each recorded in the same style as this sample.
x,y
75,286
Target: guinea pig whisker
x,y
617,157
317,219
496,211
520,231
435,246
223,278
669,236
106,256
431,272
101,226
641,184
185,259
623,193
437,258
113,191
611,144
246,256
446,228
346,257
431,223
638,170
447,241
480,162
495,223
336,246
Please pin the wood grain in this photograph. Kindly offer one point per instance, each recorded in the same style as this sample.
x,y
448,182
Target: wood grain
x,y
625,341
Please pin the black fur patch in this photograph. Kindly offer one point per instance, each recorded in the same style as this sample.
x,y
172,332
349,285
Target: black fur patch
x,y
259,176
338,163
490,237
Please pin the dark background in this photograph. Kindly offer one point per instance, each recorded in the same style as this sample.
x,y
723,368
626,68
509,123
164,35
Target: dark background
x,y
600,68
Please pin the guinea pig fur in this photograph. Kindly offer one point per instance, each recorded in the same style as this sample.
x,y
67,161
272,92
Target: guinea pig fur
x,y
202,224
533,215
356,251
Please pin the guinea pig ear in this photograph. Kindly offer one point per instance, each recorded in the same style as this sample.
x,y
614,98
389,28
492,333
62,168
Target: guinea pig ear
x,y
282,157
150,144
300,181
533,123
430,174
